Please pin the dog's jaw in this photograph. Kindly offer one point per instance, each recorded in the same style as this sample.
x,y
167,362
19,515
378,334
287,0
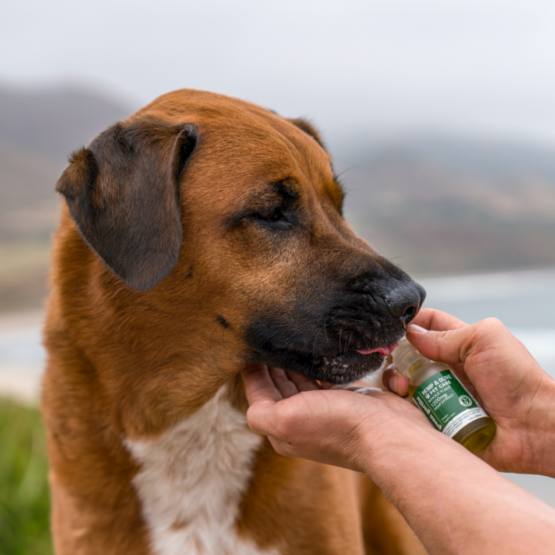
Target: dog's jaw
x,y
329,364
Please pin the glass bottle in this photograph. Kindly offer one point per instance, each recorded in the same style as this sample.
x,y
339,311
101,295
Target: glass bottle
x,y
440,395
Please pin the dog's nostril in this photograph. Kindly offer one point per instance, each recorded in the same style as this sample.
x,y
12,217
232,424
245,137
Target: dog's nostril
x,y
404,301
409,314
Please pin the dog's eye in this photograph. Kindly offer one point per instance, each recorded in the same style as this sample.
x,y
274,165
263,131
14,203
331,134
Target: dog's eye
x,y
271,215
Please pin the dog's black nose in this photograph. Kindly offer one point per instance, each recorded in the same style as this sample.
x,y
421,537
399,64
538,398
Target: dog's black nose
x,y
405,301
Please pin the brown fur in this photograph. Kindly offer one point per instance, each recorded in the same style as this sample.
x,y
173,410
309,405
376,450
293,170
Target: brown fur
x,y
130,363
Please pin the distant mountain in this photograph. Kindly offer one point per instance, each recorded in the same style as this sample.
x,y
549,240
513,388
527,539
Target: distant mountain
x,y
55,120
433,221
467,155
38,130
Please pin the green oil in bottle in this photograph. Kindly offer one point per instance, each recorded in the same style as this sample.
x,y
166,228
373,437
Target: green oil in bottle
x,y
440,395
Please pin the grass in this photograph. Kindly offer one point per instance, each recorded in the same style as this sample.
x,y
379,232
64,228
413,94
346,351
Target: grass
x,y
24,495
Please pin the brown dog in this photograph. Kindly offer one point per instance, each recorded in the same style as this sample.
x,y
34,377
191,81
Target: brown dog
x,y
198,236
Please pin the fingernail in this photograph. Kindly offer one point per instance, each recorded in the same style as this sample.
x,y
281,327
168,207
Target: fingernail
x,y
413,328
393,382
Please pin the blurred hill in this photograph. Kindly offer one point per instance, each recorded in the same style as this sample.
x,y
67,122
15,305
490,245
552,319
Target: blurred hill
x,y
38,130
435,204
433,221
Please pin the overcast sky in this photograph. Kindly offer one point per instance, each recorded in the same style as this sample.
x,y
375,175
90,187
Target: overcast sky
x,y
473,65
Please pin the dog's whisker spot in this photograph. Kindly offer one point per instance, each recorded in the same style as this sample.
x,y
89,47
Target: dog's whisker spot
x,y
221,320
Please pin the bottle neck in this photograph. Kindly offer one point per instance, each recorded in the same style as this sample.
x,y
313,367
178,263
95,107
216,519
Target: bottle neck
x,y
422,369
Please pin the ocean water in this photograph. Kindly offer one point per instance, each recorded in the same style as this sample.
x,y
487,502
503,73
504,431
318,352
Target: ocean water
x,y
524,301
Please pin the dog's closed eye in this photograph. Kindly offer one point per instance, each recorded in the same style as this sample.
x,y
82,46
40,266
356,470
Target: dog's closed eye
x,y
273,217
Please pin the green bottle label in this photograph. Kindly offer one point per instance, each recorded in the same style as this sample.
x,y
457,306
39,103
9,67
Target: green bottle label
x,y
447,403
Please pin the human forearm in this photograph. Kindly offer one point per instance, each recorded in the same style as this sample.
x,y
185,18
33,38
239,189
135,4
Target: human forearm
x,y
455,502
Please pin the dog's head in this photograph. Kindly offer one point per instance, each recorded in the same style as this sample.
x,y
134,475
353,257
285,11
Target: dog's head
x,y
235,214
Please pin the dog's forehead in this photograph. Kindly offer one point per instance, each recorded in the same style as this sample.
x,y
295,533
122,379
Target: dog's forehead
x,y
254,155
242,144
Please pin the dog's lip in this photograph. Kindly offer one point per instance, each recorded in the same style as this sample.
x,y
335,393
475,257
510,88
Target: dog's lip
x,y
384,351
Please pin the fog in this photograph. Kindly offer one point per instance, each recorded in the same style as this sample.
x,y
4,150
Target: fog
x,y
384,67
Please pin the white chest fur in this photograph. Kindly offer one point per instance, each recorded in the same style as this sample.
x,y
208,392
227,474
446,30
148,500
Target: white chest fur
x,y
192,479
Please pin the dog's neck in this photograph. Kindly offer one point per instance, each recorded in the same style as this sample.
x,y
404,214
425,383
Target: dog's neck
x,y
172,376
192,479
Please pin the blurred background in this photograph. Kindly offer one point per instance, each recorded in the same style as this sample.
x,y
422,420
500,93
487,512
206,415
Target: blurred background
x,y
440,117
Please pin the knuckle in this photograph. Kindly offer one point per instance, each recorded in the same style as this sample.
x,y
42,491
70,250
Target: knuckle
x,y
441,336
485,334
492,324
491,329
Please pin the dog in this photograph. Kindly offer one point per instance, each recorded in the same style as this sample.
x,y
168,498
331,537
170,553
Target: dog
x,y
198,236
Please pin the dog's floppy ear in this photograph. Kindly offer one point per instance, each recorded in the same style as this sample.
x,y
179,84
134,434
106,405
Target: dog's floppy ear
x,y
123,193
309,129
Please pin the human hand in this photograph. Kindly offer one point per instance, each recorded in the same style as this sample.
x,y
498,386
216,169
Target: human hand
x,y
332,426
504,377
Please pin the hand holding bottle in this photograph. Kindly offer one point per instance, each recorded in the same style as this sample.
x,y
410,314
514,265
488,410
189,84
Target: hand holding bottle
x,y
437,392
437,485
504,377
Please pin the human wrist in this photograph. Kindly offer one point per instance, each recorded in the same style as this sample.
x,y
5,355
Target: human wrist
x,y
539,446
391,447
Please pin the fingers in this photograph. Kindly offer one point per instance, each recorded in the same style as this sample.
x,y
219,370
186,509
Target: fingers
x,y
432,319
262,395
395,381
302,383
451,346
265,388
283,383
259,385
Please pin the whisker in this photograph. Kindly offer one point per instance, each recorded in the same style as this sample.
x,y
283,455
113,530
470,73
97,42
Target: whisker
x,y
315,339
340,332
349,343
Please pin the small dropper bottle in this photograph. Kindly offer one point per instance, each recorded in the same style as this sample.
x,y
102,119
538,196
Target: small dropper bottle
x,y
440,395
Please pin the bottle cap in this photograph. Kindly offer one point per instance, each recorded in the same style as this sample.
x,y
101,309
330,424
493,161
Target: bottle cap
x,y
405,355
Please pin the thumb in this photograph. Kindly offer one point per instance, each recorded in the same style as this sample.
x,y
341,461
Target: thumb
x,y
450,346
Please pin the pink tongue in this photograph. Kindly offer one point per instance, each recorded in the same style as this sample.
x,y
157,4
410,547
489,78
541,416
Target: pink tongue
x,y
384,351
